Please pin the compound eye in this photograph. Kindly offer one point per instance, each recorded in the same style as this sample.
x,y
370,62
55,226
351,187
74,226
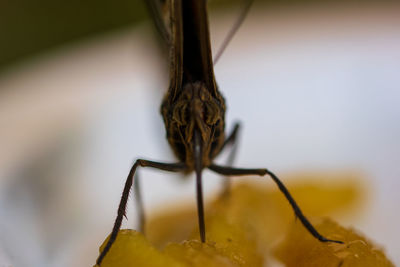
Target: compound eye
x,y
180,114
212,114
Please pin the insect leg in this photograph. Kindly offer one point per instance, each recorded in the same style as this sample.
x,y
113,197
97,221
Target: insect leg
x,y
231,140
173,167
306,223
139,203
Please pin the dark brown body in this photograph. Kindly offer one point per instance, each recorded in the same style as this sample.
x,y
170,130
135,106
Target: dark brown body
x,y
193,102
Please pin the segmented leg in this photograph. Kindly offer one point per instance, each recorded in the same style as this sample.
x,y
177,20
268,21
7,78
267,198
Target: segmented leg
x,y
231,140
172,167
299,214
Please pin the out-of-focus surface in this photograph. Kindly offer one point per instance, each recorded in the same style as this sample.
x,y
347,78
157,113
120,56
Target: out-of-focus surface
x,y
261,208
29,28
357,250
315,88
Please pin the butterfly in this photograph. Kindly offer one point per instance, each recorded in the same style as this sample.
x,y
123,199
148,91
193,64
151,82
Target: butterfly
x,y
193,110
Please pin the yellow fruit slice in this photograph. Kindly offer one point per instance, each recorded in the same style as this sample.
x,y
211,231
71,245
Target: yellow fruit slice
x,y
243,228
300,249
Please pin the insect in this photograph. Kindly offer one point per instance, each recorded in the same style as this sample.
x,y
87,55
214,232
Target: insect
x,y
193,111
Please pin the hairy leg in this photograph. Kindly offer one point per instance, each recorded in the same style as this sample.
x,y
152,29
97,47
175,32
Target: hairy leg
x,y
299,214
172,167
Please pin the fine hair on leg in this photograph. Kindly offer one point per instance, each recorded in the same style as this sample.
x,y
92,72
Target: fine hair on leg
x,y
299,214
172,167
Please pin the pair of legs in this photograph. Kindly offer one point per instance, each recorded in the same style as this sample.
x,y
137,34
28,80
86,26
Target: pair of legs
x,y
180,167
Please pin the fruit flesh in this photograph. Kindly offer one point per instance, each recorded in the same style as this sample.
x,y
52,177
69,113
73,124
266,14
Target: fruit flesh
x,y
244,228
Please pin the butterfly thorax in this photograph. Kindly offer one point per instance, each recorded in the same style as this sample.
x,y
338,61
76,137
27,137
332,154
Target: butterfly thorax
x,y
194,109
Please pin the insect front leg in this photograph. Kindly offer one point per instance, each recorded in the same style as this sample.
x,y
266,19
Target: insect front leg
x,y
172,167
233,141
261,172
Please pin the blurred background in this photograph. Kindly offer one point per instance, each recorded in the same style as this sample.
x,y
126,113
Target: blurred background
x,y
315,84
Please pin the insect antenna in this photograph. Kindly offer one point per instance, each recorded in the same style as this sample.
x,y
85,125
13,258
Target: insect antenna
x,y
155,10
239,21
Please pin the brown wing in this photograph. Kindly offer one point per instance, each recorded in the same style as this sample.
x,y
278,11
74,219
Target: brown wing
x,y
167,17
190,55
176,49
197,58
